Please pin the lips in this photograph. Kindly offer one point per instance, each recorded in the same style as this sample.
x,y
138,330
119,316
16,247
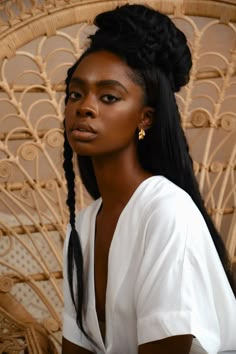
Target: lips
x,y
83,132
83,127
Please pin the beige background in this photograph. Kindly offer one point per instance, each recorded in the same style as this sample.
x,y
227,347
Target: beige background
x,y
39,40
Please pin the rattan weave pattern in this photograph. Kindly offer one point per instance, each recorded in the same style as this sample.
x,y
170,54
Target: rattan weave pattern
x,y
39,40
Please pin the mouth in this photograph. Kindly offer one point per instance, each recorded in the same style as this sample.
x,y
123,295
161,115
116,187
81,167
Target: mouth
x,y
83,134
83,130
83,126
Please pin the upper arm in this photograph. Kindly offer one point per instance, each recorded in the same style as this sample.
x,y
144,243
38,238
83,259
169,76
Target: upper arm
x,y
176,344
167,305
71,348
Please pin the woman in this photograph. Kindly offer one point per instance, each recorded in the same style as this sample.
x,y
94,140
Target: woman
x,y
145,269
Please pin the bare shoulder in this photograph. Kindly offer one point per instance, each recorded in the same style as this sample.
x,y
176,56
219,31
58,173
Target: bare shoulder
x,y
71,348
176,344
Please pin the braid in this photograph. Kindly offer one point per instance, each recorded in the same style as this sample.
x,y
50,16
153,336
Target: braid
x,y
75,256
70,177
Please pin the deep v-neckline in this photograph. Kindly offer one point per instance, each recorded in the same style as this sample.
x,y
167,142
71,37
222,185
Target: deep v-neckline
x,y
92,278
103,343
96,211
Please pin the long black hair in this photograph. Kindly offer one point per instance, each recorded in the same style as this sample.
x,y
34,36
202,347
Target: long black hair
x,y
158,54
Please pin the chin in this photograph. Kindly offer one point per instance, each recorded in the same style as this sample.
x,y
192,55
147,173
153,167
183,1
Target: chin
x,y
81,148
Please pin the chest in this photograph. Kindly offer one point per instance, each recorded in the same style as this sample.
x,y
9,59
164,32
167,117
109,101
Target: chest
x,y
112,283
105,228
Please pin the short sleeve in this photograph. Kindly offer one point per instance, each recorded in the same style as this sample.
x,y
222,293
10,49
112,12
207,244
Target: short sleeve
x,y
71,330
173,288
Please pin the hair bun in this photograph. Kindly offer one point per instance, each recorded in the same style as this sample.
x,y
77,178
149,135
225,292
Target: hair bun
x,y
146,37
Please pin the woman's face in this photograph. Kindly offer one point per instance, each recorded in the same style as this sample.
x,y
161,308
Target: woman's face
x,y
105,106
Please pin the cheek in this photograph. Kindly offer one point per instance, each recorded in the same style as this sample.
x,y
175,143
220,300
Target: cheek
x,y
68,122
68,114
68,110
125,119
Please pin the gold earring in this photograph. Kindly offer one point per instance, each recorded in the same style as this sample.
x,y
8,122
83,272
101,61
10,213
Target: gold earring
x,y
141,134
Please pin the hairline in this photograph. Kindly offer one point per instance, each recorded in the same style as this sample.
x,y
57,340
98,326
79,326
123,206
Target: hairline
x,y
134,74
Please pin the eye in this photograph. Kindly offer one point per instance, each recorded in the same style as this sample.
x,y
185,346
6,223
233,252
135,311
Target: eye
x,y
75,95
110,98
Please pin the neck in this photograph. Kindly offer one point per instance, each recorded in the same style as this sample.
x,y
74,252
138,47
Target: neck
x,y
118,178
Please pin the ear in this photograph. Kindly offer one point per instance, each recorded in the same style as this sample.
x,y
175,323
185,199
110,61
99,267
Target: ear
x,y
146,118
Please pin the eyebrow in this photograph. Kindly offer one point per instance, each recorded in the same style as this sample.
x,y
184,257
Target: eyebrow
x,y
78,80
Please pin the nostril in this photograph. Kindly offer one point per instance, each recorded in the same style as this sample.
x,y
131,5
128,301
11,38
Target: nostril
x,y
89,114
86,111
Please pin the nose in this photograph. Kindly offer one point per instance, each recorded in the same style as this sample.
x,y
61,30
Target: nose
x,y
87,108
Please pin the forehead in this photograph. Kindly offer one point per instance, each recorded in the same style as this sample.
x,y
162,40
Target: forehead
x,y
104,65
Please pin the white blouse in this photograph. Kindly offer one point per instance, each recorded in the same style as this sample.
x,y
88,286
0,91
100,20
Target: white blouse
x,y
164,277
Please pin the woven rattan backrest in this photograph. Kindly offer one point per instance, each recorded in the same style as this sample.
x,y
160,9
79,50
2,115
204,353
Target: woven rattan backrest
x,y
39,40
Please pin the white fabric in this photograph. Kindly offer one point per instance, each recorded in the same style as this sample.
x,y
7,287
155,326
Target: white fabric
x,y
164,277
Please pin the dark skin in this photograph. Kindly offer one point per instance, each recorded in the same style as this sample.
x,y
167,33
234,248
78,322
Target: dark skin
x,y
110,114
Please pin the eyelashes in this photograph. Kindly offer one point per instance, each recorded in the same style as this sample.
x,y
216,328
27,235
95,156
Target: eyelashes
x,y
75,95
107,98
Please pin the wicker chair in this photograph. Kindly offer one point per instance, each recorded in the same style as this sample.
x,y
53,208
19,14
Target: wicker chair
x,y
39,40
